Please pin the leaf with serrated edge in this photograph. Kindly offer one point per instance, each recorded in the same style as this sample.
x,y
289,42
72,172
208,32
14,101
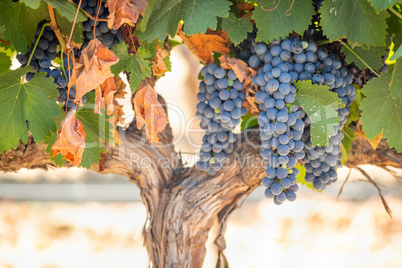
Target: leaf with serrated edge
x,y
355,20
382,4
237,28
381,111
67,10
5,62
97,129
162,17
21,22
396,86
276,23
33,101
129,62
321,107
371,56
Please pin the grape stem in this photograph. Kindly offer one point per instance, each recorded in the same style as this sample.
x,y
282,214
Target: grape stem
x,y
395,12
37,41
62,61
354,53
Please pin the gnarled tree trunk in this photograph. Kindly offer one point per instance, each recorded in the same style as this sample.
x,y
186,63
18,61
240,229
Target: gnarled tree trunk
x,y
183,203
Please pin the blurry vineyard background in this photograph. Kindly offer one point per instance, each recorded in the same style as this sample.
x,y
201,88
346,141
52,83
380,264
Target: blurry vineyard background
x,y
78,218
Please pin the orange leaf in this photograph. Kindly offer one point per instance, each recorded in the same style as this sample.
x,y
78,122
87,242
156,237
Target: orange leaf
x,y
202,45
124,11
374,142
158,65
70,141
92,69
149,112
104,96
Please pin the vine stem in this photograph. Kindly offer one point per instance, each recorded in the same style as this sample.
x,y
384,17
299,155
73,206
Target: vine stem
x,y
351,50
395,12
72,28
53,24
89,16
37,41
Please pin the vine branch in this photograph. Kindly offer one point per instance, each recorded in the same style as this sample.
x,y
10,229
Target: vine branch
x,y
395,12
354,53
54,25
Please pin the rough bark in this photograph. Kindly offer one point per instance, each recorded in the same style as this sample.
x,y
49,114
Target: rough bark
x,y
184,203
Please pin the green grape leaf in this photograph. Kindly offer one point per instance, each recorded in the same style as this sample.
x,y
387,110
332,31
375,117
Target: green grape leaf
x,y
19,101
65,26
130,63
21,22
301,178
381,111
236,28
396,86
162,17
248,121
96,129
397,54
347,142
382,4
67,10
34,4
282,20
321,107
355,20
5,62
363,57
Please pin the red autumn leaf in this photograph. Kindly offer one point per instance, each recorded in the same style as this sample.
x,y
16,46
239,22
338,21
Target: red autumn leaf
x,y
158,65
202,45
124,11
92,69
70,141
149,112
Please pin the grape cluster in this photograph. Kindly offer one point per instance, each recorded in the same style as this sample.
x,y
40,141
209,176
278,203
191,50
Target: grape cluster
x,y
44,53
220,109
321,162
281,128
285,133
101,31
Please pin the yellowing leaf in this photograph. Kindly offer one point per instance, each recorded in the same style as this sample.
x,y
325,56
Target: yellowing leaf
x,y
125,11
202,45
92,69
70,141
158,64
149,112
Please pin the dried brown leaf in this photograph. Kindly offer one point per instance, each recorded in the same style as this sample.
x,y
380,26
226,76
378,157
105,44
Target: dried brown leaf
x,y
245,6
149,112
125,11
92,69
244,73
158,65
202,45
70,141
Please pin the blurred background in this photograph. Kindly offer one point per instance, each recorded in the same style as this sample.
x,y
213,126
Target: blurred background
x,y
78,218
